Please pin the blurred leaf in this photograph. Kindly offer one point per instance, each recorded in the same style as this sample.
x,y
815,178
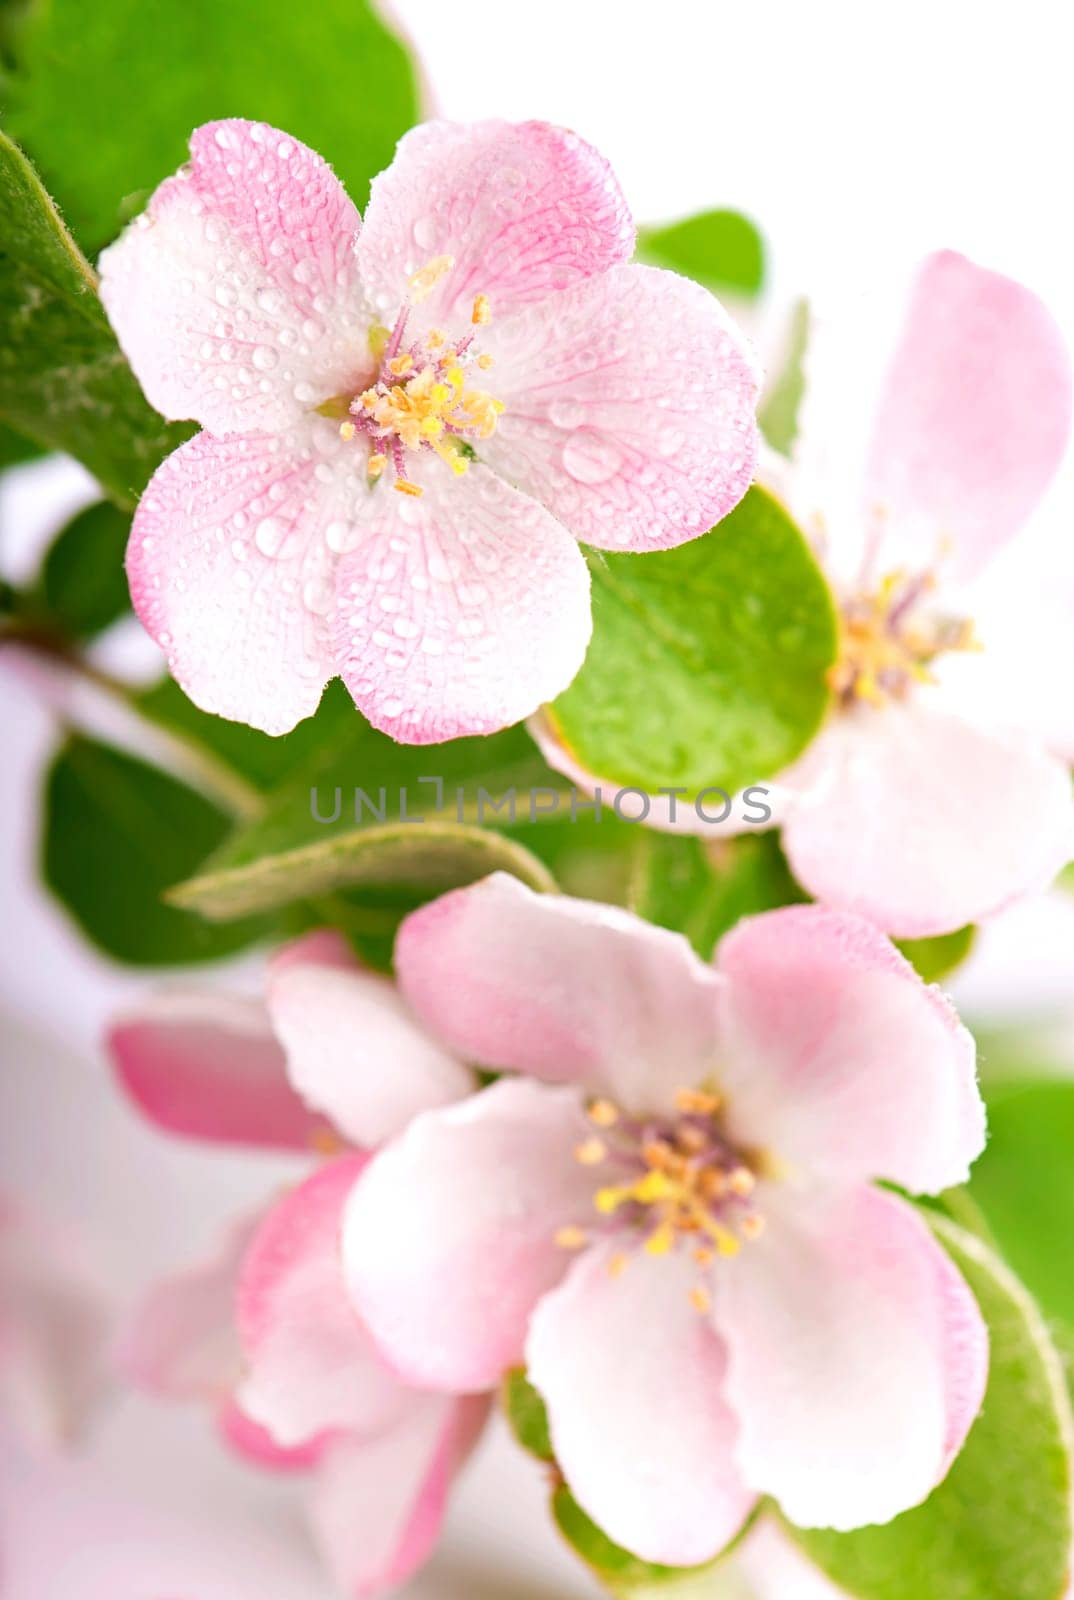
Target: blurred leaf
x,y
63,379
106,95
937,957
117,834
525,1411
702,889
83,587
15,448
626,1575
781,402
723,250
1024,1185
707,665
999,1524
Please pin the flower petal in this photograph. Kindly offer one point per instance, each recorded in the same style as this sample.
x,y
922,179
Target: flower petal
x,y
355,1052
840,1059
522,209
311,1366
236,295
632,1376
569,990
449,1237
629,408
923,821
230,568
205,1065
975,415
378,1504
181,1341
461,611
857,1356
774,1568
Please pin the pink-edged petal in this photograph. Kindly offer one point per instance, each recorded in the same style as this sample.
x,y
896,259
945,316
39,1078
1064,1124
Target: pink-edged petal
x,y
231,562
377,1504
255,1444
56,1318
236,295
923,821
310,1364
181,1341
206,1065
568,990
774,1569
630,405
461,611
840,1059
449,1236
522,209
975,415
857,1355
633,1379
355,1052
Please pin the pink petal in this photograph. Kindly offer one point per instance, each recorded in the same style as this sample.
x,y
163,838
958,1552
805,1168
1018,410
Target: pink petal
x,y
449,1238
182,1341
975,416
355,1052
523,209
774,1568
378,1504
857,1355
255,1444
236,296
461,611
310,1364
206,1065
568,990
629,408
231,569
632,1376
839,1059
922,821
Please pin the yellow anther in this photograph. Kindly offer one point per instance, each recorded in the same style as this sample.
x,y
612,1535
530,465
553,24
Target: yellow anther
x,y
447,451
700,1298
660,1240
753,1226
572,1238
482,312
378,340
618,1264
425,280
653,1186
658,1154
611,1198
590,1152
741,1182
698,1102
376,464
603,1113
346,430
326,1142
703,1256
484,361
400,365
436,338
405,486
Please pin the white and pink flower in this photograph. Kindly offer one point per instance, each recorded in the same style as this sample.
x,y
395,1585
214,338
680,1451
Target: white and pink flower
x,y
479,344
264,1333
932,424
670,1216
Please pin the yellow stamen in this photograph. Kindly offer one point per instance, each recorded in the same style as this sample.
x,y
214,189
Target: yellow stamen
x,y
572,1238
425,280
376,464
699,1102
618,1264
485,361
703,1256
700,1299
326,1142
753,1226
482,312
741,1182
346,430
405,486
400,365
660,1240
603,1113
590,1152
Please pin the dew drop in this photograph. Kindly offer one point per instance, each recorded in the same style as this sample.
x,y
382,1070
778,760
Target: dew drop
x,y
269,535
341,537
589,458
317,597
566,414
265,358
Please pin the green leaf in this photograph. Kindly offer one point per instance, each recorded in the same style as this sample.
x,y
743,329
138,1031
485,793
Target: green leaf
x,y
625,1574
707,665
83,587
703,888
999,1524
106,95
63,380
723,250
782,400
940,955
117,834
526,1414
15,448
1024,1185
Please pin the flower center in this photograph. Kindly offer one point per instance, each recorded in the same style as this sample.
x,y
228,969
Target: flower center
x,y
888,642
422,397
684,1183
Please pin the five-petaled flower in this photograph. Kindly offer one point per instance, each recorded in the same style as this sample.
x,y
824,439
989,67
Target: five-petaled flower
x,y
478,344
263,1332
938,791
675,1227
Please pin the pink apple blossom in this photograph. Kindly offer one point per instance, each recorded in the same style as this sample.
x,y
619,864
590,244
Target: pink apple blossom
x,y
928,799
264,1333
669,1214
478,344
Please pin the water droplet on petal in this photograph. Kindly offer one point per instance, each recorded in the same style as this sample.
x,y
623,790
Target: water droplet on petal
x,y
265,358
269,535
341,537
566,413
317,597
589,458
